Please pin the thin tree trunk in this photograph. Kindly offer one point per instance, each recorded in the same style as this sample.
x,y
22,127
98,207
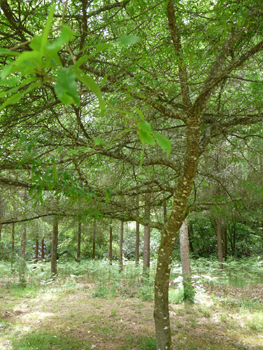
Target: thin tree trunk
x,y
219,242
43,249
137,244
13,237
110,255
121,243
225,239
1,231
94,241
79,243
36,249
185,261
22,266
146,247
54,248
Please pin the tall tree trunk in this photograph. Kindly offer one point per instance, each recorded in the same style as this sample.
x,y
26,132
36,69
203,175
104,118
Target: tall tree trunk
x,y
146,246
190,232
219,242
218,221
121,243
79,242
1,231
164,211
185,260
36,249
43,249
54,248
13,237
110,255
225,239
137,244
22,266
94,241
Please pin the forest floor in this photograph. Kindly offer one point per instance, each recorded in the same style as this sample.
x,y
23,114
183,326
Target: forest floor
x,y
75,313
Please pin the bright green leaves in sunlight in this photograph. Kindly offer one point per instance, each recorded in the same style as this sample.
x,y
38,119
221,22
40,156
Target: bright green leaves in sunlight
x,y
148,136
127,40
66,86
93,86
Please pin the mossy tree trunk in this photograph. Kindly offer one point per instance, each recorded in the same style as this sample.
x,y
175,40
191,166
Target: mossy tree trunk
x,y
54,248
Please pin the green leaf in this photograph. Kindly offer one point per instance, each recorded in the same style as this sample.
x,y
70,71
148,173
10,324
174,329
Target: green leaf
x,y
127,40
146,137
66,87
9,82
93,86
102,46
140,113
34,57
98,142
66,35
145,126
11,100
163,142
36,43
6,52
81,60
48,25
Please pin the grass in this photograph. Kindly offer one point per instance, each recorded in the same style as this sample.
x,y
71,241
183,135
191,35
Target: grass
x,y
93,306
46,341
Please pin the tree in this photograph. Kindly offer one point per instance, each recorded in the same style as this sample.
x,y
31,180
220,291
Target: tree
x,y
189,83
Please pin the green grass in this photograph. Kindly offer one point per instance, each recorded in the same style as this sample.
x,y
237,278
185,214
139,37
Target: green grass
x,y
47,341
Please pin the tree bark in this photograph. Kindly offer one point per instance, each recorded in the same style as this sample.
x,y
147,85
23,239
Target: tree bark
x,y
185,261
137,244
225,238
110,255
1,231
43,249
13,237
219,242
54,248
121,243
146,246
79,242
94,241
36,249
22,266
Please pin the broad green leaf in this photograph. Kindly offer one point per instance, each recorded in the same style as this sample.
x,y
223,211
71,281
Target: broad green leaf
x,y
81,60
98,142
127,40
36,43
6,52
34,57
9,82
140,113
163,142
102,46
66,35
11,100
93,86
66,87
145,126
146,137
48,25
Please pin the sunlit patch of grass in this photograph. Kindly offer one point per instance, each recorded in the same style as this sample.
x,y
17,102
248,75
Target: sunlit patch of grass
x,y
255,322
176,295
47,341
